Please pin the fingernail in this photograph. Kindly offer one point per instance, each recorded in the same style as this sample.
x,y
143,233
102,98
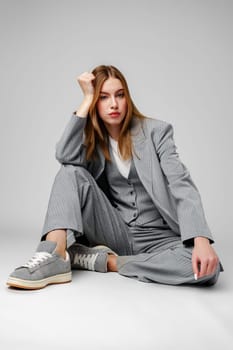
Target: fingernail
x,y
195,276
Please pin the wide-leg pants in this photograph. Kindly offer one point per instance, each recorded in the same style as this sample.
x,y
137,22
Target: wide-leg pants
x,y
78,205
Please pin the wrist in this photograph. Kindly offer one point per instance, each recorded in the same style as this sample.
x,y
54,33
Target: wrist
x,y
201,240
83,109
88,98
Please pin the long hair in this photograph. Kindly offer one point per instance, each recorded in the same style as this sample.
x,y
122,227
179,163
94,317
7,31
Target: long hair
x,y
95,130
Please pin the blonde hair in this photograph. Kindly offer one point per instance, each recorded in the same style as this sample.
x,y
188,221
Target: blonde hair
x,y
95,130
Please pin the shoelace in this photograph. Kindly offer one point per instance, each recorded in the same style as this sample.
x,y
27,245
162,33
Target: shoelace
x,y
86,261
37,259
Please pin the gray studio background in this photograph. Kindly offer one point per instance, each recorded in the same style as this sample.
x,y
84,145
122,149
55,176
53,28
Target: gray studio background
x,y
177,58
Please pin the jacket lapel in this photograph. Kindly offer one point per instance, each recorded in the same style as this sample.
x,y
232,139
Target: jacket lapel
x,y
101,163
150,173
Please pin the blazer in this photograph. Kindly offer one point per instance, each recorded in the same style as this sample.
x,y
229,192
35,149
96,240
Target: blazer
x,y
162,173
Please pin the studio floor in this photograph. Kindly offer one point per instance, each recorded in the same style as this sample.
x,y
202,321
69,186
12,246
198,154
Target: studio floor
x,y
109,311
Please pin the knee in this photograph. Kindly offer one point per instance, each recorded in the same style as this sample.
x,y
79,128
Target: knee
x,y
79,172
82,175
211,279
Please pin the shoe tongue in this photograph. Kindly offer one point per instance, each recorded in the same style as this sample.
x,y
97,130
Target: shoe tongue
x,y
46,246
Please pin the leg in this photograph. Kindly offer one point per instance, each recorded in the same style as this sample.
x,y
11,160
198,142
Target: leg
x,y
171,265
80,207
59,237
76,206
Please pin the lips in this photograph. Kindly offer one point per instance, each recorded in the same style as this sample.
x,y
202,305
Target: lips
x,y
114,114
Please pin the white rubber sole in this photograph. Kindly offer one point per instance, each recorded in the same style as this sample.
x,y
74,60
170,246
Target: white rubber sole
x,y
26,284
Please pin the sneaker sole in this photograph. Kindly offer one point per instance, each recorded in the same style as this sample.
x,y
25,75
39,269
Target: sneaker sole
x,y
26,284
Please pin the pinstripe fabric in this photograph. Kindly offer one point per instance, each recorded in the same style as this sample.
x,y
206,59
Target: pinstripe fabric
x,y
170,264
78,204
130,198
162,173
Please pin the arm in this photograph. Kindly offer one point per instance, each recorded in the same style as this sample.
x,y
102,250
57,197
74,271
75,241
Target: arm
x,y
190,211
70,149
189,206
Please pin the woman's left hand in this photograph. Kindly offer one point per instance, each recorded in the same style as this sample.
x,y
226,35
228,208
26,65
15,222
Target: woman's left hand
x,y
204,258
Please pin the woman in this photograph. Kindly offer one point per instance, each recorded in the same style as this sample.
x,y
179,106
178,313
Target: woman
x,y
122,200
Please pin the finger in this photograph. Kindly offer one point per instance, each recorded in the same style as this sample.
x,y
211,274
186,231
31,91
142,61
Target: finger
x,y
195,267
83,75
92,76
212,266
86,76
203,268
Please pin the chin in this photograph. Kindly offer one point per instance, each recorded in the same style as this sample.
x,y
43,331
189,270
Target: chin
x,y
115,122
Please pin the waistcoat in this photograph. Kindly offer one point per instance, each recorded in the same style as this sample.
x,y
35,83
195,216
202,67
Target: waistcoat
x,y
130,197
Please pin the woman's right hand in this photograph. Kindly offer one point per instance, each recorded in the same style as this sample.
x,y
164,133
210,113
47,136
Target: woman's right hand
x,y
85,82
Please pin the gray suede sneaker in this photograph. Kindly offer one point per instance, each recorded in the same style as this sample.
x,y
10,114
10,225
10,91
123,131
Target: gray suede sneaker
x,y
45,267
87,258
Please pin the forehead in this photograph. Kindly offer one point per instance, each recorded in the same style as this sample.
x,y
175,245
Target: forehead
x,y
111,85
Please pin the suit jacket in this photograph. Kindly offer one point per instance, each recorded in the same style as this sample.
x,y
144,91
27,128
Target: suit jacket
x,y
162,173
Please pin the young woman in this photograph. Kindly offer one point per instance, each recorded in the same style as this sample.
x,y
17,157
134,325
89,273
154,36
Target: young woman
x,y
122,200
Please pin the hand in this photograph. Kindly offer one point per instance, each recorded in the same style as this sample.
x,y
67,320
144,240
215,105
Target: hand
x,y
85,82
204,258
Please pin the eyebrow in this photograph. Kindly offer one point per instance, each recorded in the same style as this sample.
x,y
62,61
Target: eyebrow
x,y
106,93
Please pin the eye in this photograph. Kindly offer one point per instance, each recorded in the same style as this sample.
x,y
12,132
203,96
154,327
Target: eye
x,y
121,94
102,97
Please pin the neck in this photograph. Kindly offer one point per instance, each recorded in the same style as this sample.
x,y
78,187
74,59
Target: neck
x,y
114,132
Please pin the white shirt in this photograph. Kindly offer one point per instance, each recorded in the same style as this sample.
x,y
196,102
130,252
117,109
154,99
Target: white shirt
x,y
122,165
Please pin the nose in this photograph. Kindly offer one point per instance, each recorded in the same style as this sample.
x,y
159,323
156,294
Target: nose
x,y
114,104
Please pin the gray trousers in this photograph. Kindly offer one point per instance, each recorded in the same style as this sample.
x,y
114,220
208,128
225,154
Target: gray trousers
x,y
78,205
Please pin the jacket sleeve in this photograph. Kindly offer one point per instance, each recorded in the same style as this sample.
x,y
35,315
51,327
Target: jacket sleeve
x,y
190,210
70,149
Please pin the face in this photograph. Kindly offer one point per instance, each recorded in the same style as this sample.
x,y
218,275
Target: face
x,y
112,105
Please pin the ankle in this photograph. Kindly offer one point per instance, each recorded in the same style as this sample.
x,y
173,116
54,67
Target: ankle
x,y
59,237
112,263
61,252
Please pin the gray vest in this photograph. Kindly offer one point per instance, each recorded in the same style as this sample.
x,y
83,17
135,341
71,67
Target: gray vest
x,y
130,197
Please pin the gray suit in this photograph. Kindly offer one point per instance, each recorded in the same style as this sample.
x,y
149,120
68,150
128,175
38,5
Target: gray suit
x,y
165,178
